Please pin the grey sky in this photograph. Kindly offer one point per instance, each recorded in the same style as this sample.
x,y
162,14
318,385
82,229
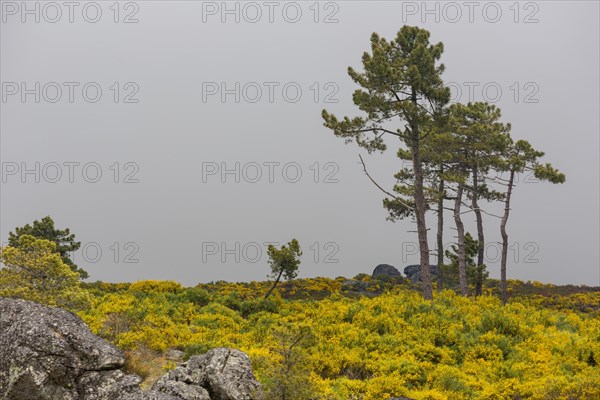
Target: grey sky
x,y
180,220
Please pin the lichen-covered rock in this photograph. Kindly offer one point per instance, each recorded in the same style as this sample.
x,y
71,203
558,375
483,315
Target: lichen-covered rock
x,y
230,375
109,385
46,353
174,355
153,395
222,373
182,390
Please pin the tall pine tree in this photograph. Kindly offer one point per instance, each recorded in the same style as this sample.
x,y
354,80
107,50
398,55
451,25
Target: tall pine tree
x,y
477,140
401,94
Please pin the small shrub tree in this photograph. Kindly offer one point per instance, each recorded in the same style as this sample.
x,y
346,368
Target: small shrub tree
x,y
35,271
474,271
284,262
290,378
44,229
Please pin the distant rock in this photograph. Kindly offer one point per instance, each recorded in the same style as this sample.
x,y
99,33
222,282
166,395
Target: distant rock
x,y
386,270
413,272
47,353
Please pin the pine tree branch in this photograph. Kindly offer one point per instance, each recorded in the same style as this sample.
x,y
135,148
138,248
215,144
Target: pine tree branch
x,y
374,130
471,209
382,189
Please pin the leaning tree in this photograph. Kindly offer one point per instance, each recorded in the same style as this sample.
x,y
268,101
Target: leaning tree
x,y
284,263
520,157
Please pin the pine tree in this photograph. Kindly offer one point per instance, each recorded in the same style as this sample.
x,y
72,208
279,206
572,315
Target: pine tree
x,y
474,141
520,157
284,262
44,229
472,271
402,94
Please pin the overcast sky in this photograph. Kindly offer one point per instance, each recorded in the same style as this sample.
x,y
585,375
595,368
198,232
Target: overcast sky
x,y
177,138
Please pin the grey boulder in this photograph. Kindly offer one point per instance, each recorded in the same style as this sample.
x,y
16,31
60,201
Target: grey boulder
x,y
386,270
47,353
219,374
413,272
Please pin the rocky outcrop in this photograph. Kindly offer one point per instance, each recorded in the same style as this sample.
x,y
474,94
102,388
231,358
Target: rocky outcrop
x,y
223,374
174,355
413,272
386,270
47,353
109,385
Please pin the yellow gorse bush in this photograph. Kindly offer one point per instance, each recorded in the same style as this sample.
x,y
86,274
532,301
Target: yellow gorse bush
x,y
35,271
373,348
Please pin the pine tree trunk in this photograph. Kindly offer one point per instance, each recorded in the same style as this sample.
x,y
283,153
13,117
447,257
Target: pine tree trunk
x,y
480,236
503,288
460,228
274,284
420,209
420,206
440,233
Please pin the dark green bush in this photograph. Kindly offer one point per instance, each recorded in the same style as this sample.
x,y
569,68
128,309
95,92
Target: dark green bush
x,y
197,296
250,307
